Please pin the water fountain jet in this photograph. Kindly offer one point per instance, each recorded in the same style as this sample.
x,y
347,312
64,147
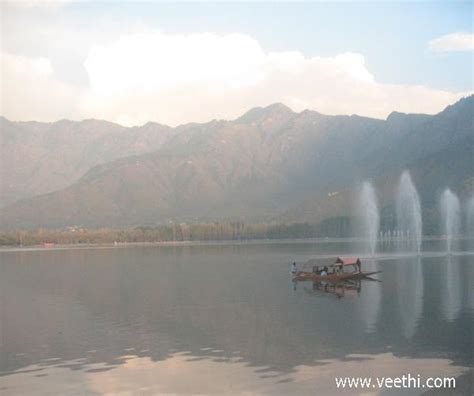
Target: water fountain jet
x,y
368,212
450,215
409,211
470,223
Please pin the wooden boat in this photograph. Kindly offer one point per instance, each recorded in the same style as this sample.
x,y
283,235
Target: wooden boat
x,y
342,269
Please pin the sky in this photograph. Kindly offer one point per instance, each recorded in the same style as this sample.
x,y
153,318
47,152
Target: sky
x,y
173,63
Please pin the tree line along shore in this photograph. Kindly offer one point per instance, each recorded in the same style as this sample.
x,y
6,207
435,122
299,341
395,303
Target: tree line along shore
x,y
334,227
164,233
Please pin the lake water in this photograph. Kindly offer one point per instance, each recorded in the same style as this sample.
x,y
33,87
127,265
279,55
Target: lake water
x,y
226,319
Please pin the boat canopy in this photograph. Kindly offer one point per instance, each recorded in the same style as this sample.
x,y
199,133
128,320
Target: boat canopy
x,y
348,260
340,262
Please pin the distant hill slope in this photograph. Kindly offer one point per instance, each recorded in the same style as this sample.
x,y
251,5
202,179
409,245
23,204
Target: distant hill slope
x,y
269,164
37,158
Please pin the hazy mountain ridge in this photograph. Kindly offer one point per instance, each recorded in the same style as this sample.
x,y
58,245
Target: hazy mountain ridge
x,y
38,157
258,167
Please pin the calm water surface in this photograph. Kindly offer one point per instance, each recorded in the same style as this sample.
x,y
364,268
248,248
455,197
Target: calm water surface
x,y
226,319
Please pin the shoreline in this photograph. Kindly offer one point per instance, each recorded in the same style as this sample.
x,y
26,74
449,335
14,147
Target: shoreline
x,y
267,241
50,247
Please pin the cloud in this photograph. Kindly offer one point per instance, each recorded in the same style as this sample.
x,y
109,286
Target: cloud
x,y
43,4
175,78
453,42
30,91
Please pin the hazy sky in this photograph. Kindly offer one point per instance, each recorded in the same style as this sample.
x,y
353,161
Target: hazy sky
x,y
179,62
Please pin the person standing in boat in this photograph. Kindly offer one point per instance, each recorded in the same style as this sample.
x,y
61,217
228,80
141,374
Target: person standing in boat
x,y
294,270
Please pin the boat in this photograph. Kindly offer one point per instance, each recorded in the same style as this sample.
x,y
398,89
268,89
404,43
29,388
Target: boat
x,y
342,269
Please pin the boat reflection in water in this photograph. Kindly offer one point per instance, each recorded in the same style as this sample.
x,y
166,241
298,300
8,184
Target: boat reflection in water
x,y
346,288
339,289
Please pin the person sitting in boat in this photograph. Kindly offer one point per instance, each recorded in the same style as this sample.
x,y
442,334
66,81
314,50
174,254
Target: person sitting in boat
x,y
294,270
324,272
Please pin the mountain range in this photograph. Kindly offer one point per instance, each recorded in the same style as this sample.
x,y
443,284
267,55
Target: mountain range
x,y
38,158
271,164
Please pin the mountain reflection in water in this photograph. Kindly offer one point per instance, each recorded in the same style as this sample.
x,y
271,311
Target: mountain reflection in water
x,y
168,318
